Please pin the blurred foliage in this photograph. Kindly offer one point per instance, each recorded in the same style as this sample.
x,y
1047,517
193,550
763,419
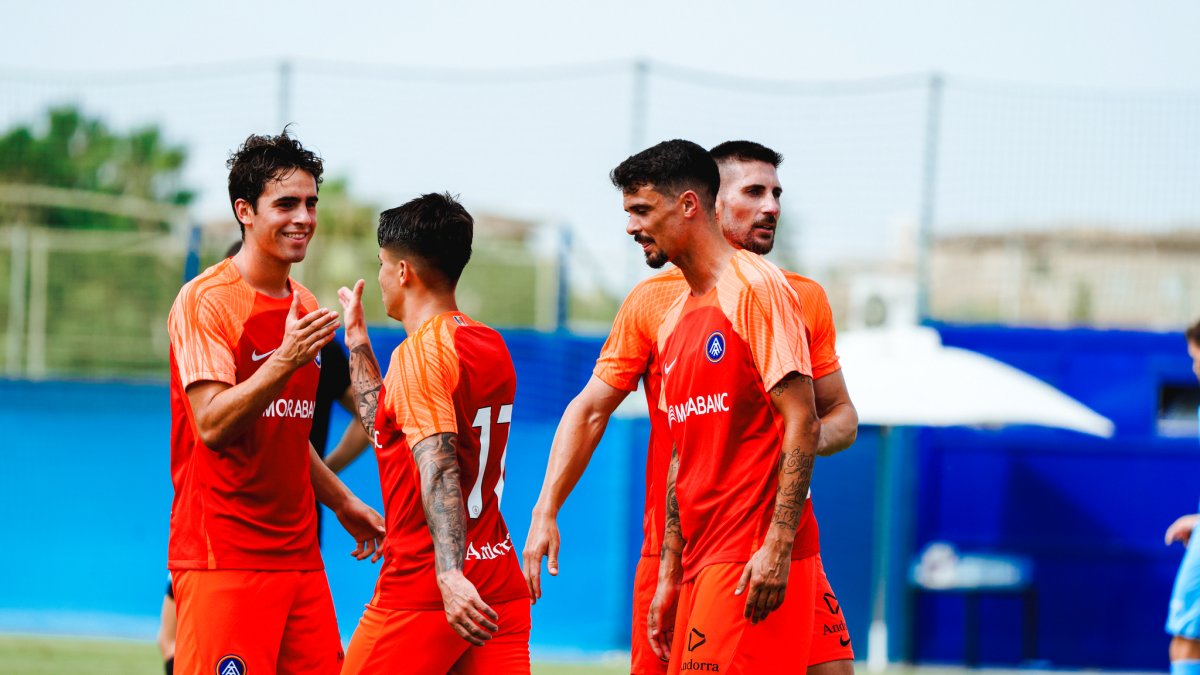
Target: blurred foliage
x,y
71,150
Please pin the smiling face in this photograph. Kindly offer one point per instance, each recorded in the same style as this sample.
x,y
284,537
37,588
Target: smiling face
x,y
282,221
653,222
748,204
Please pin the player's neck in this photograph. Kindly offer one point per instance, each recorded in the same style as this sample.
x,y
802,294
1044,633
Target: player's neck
x,y
423,306
704,260
265,274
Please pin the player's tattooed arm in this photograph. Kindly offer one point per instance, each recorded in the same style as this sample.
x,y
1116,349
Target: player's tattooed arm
x,y
365,377
672,534
441,495
793,398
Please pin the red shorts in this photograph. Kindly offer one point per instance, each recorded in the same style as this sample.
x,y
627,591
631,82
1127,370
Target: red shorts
x,y
421,642
250,621
830,639
713,635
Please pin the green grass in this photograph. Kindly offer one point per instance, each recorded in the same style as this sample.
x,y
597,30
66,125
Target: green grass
x,y
27,655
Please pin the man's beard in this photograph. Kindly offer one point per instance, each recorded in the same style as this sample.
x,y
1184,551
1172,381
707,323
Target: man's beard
x,y
656,259
755,244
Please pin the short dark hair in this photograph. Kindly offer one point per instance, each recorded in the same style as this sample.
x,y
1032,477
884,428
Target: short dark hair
x,y
261,159
1193,333
433,227
745,151
670,168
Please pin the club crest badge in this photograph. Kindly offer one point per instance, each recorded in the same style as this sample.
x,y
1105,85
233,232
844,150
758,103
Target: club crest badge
x,y
714,346
231,664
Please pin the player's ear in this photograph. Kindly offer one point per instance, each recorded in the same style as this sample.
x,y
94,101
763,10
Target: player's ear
x,y
244,211
689,203
402,272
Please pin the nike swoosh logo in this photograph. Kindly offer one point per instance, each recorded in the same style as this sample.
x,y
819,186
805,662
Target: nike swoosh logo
x,y
255,356
667,369
845,641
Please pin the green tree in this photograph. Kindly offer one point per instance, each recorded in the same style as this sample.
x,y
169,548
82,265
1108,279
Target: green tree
x,y
72,151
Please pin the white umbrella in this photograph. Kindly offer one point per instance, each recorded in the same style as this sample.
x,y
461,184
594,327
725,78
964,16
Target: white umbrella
x,y
906,377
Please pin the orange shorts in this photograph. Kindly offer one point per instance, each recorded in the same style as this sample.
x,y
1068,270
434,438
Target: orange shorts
x,y
249,621
712,634
421,642
830,639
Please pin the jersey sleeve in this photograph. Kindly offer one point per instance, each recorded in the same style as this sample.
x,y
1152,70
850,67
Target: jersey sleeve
x,y
202,338
626,353
421,383
767,317
822,336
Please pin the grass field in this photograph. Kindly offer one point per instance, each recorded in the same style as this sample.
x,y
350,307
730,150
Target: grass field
x,y
26,655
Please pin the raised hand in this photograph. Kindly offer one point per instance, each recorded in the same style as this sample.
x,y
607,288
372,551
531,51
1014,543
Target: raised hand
x,y
352,313
304,336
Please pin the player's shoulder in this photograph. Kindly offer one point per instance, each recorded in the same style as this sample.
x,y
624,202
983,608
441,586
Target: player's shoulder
x,y
307,298
220,286
808,289
656,293
756,273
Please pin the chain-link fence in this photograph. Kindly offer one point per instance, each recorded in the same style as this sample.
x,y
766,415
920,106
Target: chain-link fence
x,y
942,197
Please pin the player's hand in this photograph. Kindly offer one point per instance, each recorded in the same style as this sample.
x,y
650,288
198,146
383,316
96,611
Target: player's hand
x,y
303,336
660,622
366,526
541,542
1181,529
352,313
467,613
766,577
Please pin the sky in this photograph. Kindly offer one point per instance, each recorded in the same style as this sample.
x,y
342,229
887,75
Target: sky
x,y
854,172
1103,43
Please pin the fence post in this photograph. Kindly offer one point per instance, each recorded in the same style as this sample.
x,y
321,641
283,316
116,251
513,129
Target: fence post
x,y
17,297
39,272
933,122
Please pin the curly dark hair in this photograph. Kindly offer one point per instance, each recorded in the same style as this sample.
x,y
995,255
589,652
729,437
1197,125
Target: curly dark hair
x,y
265,158
1193,333
745,151
671,167
433,227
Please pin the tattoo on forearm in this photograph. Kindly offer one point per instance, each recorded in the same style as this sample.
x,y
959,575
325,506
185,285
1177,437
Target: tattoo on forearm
x,y
672,534
364,375
441,496
787,381
795,476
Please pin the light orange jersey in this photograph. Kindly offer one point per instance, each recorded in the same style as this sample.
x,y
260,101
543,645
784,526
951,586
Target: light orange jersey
x,y
631,353
249,505
722,352
452,375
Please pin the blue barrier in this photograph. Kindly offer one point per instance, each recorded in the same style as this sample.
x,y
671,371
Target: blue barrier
x,y
86,492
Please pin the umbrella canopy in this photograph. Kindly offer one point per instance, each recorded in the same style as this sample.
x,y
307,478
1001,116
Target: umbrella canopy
x,y
906,377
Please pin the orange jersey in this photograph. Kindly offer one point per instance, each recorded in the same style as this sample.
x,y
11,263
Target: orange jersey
x,y
249,505
453,375
722,352
631,353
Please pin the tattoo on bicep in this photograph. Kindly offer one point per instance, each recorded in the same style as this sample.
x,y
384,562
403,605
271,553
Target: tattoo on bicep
x,y
441,497
795,476
364,375
672,531
787,381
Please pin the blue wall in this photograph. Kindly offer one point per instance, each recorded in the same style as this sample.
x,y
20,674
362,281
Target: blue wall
x,y
1090,512
85,497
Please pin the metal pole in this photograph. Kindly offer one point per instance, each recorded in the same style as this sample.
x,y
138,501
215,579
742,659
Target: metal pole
x,y
641,100
933,115
17,296
563,305
39,264
285,93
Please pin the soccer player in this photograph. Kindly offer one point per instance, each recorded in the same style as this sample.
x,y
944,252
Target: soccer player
x,y
1183,618
747,207
246,568
450,596
740,409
